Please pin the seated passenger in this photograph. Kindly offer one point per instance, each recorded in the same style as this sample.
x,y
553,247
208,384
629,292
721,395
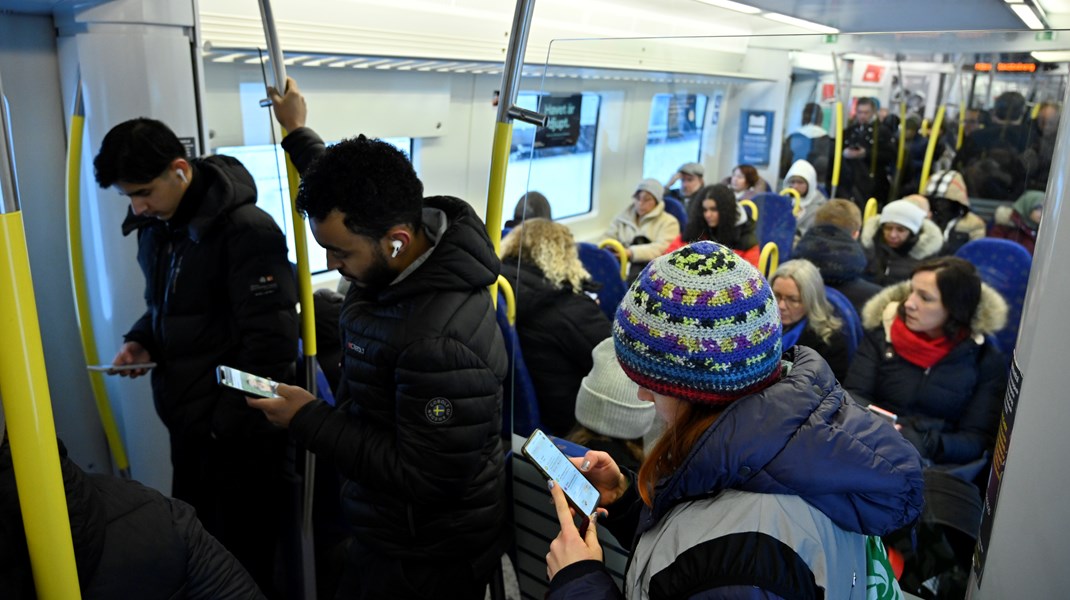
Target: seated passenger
x,y
718,218
609,415
644,228
831,244
925,358
950,209
557,323
1019,222
691,177
729,501
746,183
532,205
130,541
896,240
808,318
803,179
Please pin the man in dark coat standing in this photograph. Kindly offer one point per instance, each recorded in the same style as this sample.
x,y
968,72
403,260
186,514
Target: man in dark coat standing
x,y
417,432
220,291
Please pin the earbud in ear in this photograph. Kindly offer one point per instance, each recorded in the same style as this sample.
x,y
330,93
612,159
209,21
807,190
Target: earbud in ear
x,y
181,175
397,248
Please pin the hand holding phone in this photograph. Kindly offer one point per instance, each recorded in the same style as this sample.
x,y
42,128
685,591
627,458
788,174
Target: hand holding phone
x,y
553,464
247,383
119,369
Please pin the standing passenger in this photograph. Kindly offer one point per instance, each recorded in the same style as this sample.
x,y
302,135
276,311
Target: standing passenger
x,y
811,143
418,429
220,291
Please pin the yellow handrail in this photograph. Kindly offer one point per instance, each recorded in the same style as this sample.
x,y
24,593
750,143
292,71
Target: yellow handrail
x,y
753,208
934,137
506,289
962,125
796,207
622,255
838,158
872,209
769,259
76,255
1036,111
899,159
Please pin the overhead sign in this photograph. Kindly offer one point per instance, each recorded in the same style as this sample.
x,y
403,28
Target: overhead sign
x,y
562,121
1006,67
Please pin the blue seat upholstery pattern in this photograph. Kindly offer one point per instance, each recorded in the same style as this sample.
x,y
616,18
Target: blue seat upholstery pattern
x,y
604,268
520,407
1004,265
676,208
851,321
776,223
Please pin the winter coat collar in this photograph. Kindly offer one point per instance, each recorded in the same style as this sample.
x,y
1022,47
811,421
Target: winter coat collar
x,y
990,317
834,252
805,437
631,216
930,238
229,185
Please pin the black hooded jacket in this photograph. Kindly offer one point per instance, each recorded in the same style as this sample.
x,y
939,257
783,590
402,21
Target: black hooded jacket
x,y
418,429
220,291
129,542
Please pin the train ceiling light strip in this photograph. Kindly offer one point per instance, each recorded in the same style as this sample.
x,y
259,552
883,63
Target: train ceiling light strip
x,y
736,6
797,22
1028,15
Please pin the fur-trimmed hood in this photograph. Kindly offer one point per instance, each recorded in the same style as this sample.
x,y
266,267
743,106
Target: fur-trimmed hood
x,y
990,317
971,225
930,238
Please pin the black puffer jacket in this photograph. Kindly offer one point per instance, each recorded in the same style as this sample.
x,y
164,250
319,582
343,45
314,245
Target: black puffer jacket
x,y
220,291
887,265
129,542
950,412
558,329
418,429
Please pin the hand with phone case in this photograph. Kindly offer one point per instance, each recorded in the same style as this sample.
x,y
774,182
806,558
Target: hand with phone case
x,y
132,353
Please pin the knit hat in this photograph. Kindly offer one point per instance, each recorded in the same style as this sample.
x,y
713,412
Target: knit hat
x,y
692,168
950,185
905,213
700,325
608,402
653,186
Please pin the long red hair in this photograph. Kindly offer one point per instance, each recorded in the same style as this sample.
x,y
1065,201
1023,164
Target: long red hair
x,y
692,420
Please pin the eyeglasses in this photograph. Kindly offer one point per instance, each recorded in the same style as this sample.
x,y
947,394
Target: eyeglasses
x,y
789,300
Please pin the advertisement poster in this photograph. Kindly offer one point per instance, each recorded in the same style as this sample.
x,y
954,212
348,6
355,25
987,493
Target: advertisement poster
x,y
562,121
755,137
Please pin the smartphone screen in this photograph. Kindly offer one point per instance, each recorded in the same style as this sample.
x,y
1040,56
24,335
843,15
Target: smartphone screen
x,y
887,415
116,368
254,385
555,465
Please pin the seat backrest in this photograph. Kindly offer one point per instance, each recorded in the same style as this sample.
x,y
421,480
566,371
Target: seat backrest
x,y
676,208
1004,265
520,407
852,323
776,223
604,269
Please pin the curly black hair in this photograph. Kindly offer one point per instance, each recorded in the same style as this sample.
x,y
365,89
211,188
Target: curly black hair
x,y
136,151
371,182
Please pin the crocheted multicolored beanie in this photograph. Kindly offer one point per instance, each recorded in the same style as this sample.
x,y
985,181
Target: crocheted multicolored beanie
x,y
701,325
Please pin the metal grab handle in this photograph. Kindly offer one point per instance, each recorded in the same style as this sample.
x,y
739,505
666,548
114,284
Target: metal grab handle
x,y
796,207
528,116
617,248
753,208
769,259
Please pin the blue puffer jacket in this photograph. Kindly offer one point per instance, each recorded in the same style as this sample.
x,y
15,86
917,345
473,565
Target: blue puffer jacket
x,y
801,438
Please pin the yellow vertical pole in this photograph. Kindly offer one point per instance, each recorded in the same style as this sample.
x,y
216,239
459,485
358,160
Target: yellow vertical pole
x,y
962,125
839,148
26,401
934,137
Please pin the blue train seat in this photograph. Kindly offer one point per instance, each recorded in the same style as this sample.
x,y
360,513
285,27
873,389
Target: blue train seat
x,y
1004,265
520,407
851,321
776,223
604,268
676,208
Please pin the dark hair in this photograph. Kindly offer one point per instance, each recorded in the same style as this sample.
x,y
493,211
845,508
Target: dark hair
x,y
371,182
812,114
584,436
532,205
136,151
866,100
726,233
960,291
1009,106
749,173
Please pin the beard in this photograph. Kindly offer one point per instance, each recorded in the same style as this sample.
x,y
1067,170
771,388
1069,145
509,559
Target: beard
x,y
379,275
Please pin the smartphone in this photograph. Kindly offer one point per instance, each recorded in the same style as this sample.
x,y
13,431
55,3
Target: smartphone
x,y
253,385
553,463
106,368
889,416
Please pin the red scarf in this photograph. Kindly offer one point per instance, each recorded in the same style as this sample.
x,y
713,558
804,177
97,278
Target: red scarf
x,y
918,348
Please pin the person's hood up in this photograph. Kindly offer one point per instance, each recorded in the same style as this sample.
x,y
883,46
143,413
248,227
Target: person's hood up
x,y
930,238
804,169
990,316
806,437
813,131
1025,204
838,256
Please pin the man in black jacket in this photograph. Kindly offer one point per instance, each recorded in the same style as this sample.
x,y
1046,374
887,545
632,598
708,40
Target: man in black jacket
x,y
417,431
220,291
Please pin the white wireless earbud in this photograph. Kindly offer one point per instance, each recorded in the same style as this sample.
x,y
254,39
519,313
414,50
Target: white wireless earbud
x,y
397,248
181,175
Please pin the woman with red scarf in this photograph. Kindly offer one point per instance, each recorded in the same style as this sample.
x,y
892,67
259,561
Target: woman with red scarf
x,y
926,359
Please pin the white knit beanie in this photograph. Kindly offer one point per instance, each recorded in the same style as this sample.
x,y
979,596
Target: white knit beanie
x,y
608,402
905,213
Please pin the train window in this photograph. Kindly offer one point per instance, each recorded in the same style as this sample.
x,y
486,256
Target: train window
x,y
674,136
267,164
558,160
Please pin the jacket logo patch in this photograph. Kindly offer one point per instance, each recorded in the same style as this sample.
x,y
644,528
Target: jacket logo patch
x,y
354,348
264,285
438,410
